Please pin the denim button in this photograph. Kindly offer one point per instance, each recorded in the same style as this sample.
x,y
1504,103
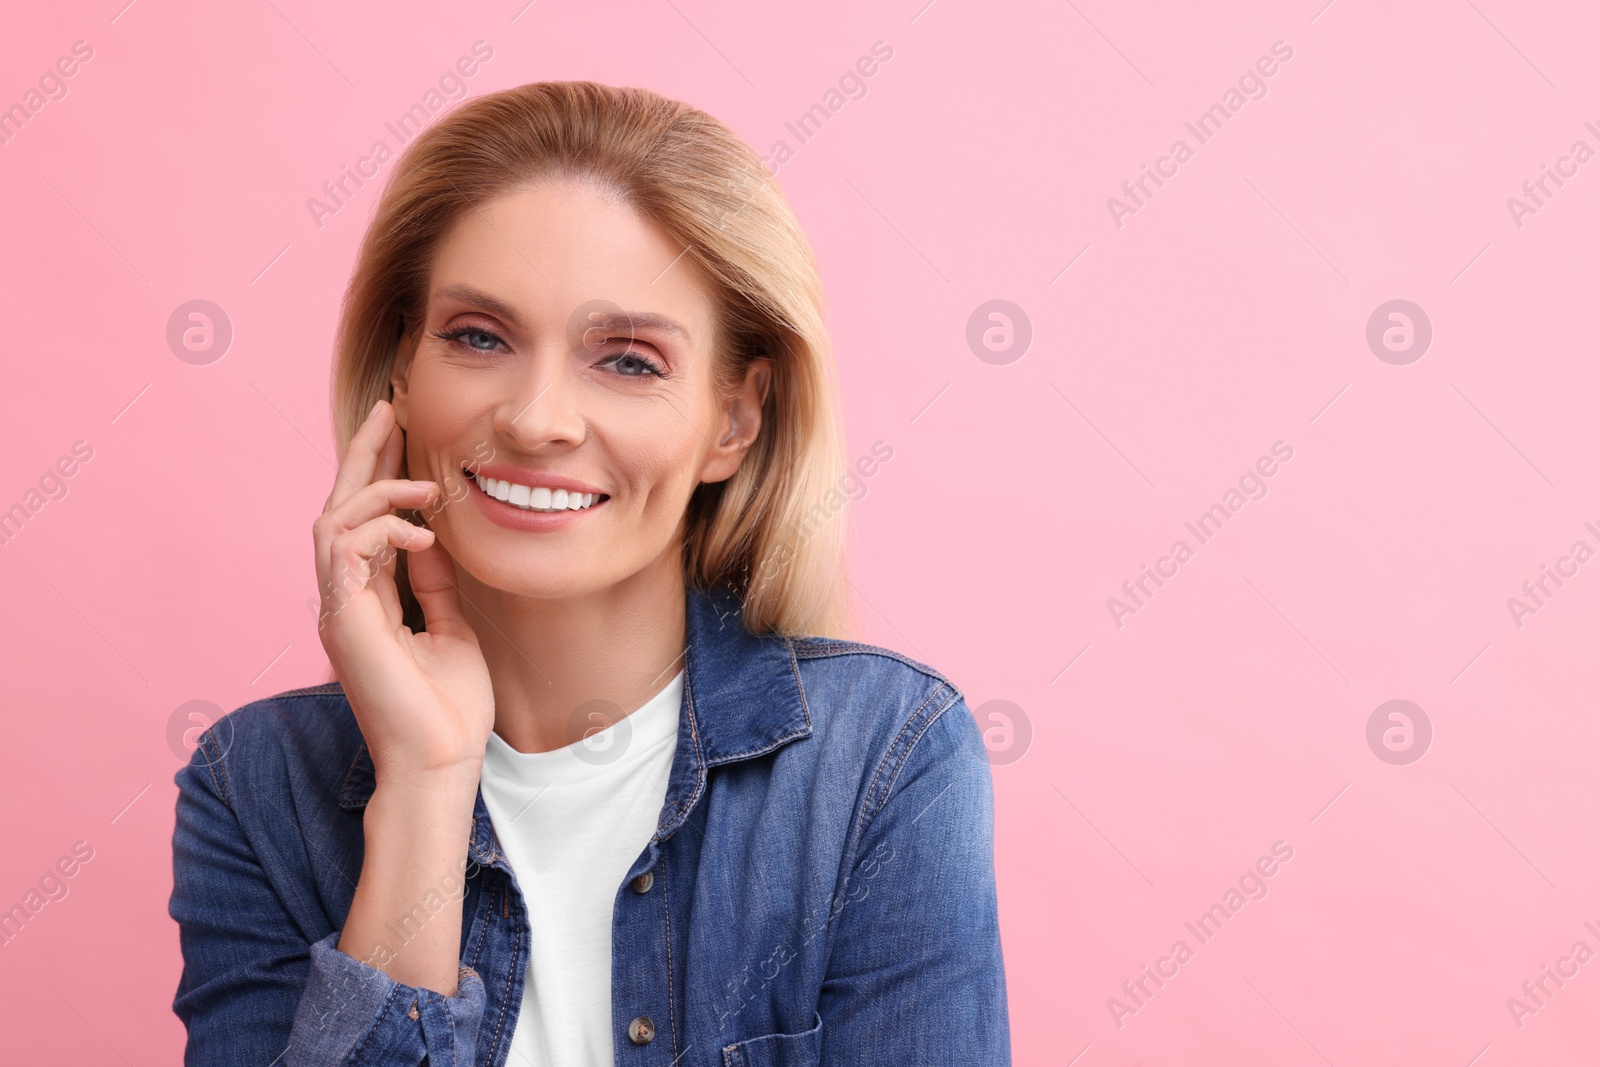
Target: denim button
x,y
643,883
641,1031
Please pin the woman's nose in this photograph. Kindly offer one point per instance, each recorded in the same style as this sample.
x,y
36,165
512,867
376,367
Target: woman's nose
x,y
543,404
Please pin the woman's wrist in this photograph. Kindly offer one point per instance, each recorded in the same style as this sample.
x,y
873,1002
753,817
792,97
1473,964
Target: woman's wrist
x,y
413,877
443,785
424,809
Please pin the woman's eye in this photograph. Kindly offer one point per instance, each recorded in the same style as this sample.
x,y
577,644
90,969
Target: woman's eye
x,y
471,335
631,364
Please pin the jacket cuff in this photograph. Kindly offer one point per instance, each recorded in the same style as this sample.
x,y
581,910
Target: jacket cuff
x,y
352,1013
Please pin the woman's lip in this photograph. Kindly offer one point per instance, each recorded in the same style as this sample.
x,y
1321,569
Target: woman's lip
x,y
515,518
531,478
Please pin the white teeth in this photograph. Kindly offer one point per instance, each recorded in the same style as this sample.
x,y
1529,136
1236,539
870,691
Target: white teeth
x,y
535,498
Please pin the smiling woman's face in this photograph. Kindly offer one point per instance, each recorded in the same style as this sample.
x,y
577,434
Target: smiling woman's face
x,y
506,382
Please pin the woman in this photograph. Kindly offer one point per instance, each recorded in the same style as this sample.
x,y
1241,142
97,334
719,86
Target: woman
x,y
602,778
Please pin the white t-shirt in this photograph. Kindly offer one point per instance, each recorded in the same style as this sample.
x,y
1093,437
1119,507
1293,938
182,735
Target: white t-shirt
x,y
572,822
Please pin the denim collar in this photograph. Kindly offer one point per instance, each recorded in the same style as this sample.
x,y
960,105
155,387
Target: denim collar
x,y
742,698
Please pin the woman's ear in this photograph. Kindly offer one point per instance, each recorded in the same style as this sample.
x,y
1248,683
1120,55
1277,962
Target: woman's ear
x,y
398,379
741,423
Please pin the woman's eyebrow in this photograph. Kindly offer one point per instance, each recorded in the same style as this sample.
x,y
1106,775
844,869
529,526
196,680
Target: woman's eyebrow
x,y
614,322
468,295
628,321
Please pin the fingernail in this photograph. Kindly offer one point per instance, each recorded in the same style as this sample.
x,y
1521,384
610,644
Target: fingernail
x,y
374,410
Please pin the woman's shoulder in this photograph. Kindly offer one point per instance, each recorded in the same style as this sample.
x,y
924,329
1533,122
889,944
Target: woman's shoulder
x,y
856,661
307,735
317,713
877,694
886,724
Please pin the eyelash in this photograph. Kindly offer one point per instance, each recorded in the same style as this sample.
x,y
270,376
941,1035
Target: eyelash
x,y
456,333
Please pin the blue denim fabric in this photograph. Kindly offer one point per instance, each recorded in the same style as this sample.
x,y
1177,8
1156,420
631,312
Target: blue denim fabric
x,y
822,881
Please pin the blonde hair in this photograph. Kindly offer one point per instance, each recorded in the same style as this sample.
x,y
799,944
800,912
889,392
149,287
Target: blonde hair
x,y
766,532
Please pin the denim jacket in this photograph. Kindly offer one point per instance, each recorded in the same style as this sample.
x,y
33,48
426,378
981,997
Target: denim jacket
x,y
819,890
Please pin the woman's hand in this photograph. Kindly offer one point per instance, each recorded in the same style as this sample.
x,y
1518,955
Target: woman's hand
x,y
423,701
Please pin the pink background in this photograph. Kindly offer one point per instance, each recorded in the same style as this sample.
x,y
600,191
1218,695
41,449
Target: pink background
x,y
1228,313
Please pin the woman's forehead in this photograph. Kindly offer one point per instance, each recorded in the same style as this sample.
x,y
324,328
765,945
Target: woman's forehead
x,y
541,251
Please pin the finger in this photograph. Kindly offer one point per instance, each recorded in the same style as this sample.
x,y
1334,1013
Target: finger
x,y
356,558
391,458
377,499
362,595
370,501
391,462
385,560
388,591
361,458
433,583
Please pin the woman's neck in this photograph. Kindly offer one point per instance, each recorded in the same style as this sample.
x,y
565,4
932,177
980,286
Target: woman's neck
x,y
548,657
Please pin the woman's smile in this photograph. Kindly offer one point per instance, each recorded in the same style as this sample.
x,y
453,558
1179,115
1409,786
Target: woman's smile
x,y
534,491
530,501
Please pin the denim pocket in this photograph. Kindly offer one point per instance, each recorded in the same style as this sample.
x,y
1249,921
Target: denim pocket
x,y
777,1050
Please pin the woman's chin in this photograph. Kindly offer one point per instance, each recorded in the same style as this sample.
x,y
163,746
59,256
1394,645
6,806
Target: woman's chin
x,y
542,579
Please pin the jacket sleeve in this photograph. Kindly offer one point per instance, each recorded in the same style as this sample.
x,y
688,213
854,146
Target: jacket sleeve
x,y
914,973
254,988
